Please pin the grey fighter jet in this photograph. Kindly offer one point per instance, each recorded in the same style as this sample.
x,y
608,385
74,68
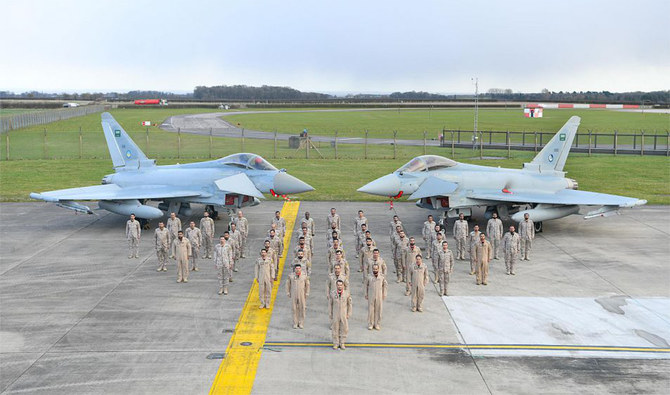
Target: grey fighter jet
x,y
539,189
232,182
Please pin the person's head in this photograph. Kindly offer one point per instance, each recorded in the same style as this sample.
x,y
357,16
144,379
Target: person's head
x,y
526,216
476,228
375,268
239,214
132,217
266,243
304,230
461,216
411,241
334,235
439,235
332,211
402,234
395,218
272,232
226,235
364,227
277,214
264,253
301,241
307,214
340,285
445,245
301,254
419,259
338,254
336,242
161,225
173,215
367,234
512,229
333,225
273,226
438,228
495,215
233,226
398,229
430,218
297,269
205,214
222,240
360,213
337,269
375,253
180,234
192,224
368,242
482,237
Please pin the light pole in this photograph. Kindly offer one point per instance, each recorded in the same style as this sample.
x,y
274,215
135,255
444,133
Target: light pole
x,y
474,132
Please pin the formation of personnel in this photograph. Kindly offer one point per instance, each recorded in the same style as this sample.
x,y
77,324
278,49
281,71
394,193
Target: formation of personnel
x,y
184,246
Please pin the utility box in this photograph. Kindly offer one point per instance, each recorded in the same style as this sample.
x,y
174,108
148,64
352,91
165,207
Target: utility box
x,y
294,142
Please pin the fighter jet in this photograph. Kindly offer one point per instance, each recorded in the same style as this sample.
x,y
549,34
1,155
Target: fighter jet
x,y
236,181
540,189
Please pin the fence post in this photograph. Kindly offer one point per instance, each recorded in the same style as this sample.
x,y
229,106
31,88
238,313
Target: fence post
x,y
44,147
274,155
642,143
424,142
616,137
453,151
459,136
667,145
655,136
481,145
509,153
7,145
336,144
81,143
366,145
211,142
535,137
178,143
634,141
589,142
307,143
523,138
146,148
395,143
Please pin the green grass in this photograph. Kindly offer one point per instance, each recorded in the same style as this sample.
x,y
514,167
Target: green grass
x,y
16,111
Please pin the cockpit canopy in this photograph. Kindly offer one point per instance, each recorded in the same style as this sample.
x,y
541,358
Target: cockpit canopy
x,y
247,161
427,162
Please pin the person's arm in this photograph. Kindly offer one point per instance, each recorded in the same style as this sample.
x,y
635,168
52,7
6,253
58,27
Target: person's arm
x,y
307,287
366,285
288,287
349,305
385,285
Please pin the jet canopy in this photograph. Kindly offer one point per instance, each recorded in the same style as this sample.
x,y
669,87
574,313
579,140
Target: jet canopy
x,y
247,161
427,162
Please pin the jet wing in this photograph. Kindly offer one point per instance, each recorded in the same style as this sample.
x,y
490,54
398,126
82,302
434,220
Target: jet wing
x,y
240,184
564,196
434,186
115,192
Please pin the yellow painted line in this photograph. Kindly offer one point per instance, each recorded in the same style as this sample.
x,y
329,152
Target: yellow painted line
x,y
477,346
238,369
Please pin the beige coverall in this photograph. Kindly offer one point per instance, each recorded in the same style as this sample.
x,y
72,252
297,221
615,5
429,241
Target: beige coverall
x,y
309,223
382,265
357,232
494,231
242,226
445,266
364,258
263,274
418,280
305,263
331,283
297,289
460,235
527,234
333,218
332,256
483,253
274,258
207,228
223,260
402,244
375,294
472,240
235,249
511,245
162,244
280,226
409,260
173,226
195,237
344,264
133,233
181,251
435,247
340,311
428,233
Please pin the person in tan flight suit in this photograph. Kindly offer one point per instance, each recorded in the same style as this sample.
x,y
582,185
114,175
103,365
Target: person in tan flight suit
x,y
133,233
332,254
402,245
243,227
235,236
473,238
410,257
376,258
332,235
339,259
303,261
365,257
511,245
297,289
223,260
264,274
278,237
339,311
333,218
428,233
194,235
494,230
393,227
358,222
331,282
418,281
302,245
234,253
207,228
272,255
461,231
375,294
435,249
359,240
181,251
309,222
483,254
173,226
280,223
445,266
162,244
276,245
527,234
309,240
394,243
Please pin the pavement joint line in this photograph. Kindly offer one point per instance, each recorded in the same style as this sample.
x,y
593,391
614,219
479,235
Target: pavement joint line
x,y
514,347
237,371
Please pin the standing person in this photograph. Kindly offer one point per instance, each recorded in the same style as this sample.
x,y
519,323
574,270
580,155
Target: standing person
x,y
393,227
297,289
278,237
435,249
243,227
339,311
483,253
410,257
309,240
236,236
461,231
272,255
360,240
332,254
339,259
331,282
133,233
527,234
418,281
511,245
472,241
173,226
181,251
402,245
194,235
445,266
263,274
207,228
302,261
333,218
375,294
234,251
302,245
276,245
368,235
358,222
366,256
280,222
428,233
223,259
377,259
162,244
494,229
333,232
309,222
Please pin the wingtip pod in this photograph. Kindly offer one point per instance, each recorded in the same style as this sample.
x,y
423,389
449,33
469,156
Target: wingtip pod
x,y
39,196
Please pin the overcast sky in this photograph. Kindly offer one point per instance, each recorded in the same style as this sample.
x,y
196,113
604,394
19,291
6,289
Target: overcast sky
x,y
337,46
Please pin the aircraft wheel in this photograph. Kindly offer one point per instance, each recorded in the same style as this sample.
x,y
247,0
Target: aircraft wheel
x,y
538,227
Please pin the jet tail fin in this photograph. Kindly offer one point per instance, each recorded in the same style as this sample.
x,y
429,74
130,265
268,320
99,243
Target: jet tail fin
x,y
555,153
123,150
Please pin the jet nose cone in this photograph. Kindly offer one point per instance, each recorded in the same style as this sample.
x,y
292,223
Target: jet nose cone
x,y
389,185
285,183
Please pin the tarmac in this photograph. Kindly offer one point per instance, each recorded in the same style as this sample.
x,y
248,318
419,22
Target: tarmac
x,y
589,313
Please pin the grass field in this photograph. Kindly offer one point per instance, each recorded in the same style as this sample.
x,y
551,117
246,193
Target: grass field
x,y
16,111
642,177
